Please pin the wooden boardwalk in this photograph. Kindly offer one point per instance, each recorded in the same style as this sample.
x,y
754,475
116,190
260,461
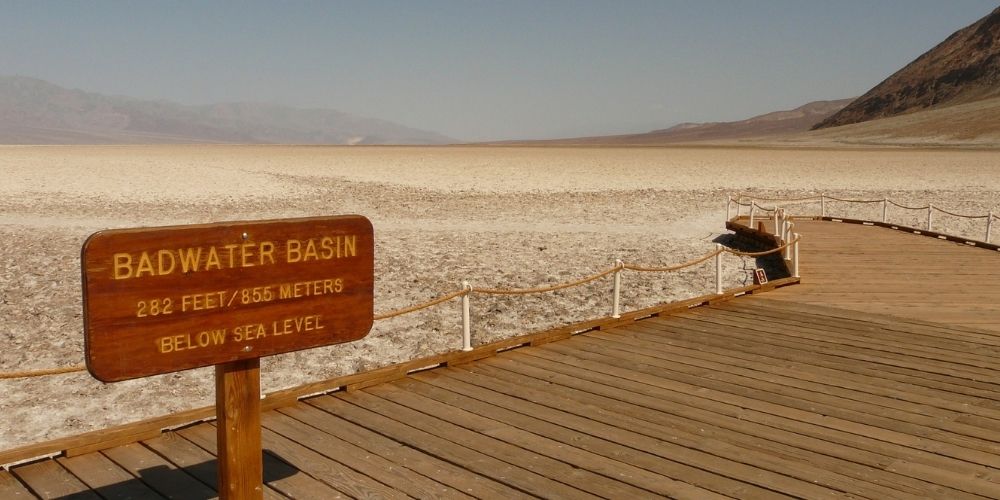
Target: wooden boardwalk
x,y
758,397
877,270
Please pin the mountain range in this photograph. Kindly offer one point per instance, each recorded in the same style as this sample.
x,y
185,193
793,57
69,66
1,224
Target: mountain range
x,y
34,111
963,68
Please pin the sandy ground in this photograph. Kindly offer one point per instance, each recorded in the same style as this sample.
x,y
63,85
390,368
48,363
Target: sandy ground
x,y
494,216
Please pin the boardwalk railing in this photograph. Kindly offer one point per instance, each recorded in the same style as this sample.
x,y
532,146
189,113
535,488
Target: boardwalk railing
x,y
744,200
787,245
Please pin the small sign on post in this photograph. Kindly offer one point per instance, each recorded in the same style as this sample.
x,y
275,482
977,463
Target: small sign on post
x,y
759,276
160,300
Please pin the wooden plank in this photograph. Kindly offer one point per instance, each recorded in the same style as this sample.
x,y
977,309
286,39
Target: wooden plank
x,y
913,462
971,364
430,466
666,449
819,346
48,479
477,461
827,399
883,428
282,480
596,404
684,443
11,488
530,458
106,478
156,472
722,341
804,367
636,481
281,475
382,470
918,334
860,322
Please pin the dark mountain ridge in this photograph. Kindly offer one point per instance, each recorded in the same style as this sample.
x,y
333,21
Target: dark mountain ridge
x,y
963,68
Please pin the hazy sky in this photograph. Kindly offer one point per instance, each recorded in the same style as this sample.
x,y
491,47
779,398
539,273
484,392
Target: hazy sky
x,y
479,70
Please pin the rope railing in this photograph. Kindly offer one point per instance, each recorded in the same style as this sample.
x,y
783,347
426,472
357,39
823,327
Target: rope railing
x,y
43,372
468,290
823,198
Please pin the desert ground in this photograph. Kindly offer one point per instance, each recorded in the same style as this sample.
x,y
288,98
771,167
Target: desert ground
x,y
495,216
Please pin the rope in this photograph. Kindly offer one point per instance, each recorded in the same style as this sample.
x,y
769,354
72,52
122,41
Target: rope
x,y
853,201
42,373
908,208
788,200
424,305
525,291
962,215
689,263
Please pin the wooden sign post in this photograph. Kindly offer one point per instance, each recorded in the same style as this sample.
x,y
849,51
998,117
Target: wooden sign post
x,y
160,300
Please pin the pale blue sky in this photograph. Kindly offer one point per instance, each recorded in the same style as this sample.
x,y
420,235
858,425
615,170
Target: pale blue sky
x,y
479,70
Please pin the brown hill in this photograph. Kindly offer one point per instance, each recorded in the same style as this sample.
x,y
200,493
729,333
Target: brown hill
x,y
799,119
969,125
963,68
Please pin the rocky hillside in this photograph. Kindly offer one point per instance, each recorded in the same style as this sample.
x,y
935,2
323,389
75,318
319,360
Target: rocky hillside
x,y
962,69
33,111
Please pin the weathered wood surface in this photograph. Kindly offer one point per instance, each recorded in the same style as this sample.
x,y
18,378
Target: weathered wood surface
x,y
756,397
750,398
882,271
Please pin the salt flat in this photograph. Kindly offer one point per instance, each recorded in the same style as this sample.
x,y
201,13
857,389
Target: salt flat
x,y
496,216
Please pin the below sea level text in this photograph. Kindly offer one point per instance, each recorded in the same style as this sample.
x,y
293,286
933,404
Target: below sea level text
x,y
239,334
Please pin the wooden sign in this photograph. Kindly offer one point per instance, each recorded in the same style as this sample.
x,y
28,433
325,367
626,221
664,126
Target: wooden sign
x,y
159,300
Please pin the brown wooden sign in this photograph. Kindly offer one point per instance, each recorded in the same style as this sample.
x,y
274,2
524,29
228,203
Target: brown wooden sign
x,y
159,300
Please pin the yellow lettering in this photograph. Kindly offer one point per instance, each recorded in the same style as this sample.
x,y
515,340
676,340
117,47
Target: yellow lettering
x,y
162,257
213,259
145,265
266,252
350,246
293,251
123,266
232,254
190,259
310,251
246,251
326,245
164,345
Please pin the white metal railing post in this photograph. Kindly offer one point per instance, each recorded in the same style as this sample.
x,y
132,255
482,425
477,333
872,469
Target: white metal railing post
x,y
739,206
466,318
616,299
787,238
718,268
729,207
753,205
822,205
930,215
795,255
989,226
777,231
885,210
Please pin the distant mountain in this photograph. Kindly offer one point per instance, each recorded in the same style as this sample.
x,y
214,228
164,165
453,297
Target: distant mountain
x,y
962,69
34,111
799,119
